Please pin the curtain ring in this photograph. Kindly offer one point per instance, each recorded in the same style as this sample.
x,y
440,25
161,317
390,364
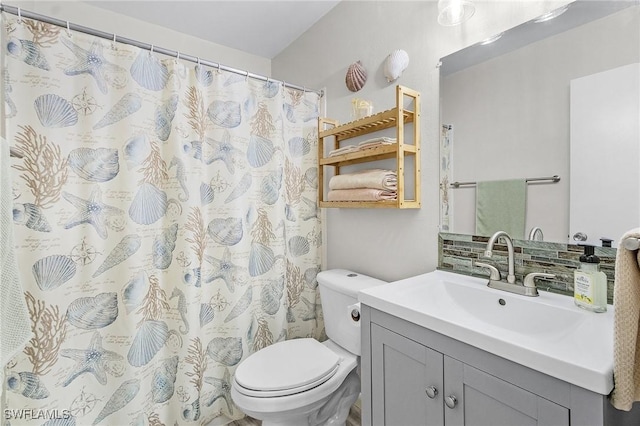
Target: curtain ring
x,y
19,15
151,50
304,90
198,61
246,77
219,71
68,30
113,43
177,56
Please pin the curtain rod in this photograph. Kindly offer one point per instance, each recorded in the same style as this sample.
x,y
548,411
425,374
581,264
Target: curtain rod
x,y
116,38
550,179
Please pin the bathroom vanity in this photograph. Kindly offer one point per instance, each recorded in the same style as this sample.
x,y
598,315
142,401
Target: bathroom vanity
x,y
434,355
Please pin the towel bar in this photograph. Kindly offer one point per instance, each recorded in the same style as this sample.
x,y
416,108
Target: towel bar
x,y
631,243
550,179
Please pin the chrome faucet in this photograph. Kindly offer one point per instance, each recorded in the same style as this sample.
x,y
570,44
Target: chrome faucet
x,y
511,276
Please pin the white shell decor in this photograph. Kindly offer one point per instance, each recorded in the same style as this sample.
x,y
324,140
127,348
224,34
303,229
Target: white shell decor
x,y
225,113
259,151
121,252
261,259
207,313
121,397
148,205
150,338
241,305
163,247
127,105
299,146
271,296
298,245
226,231
134,291
270,188
31,216
164,117
91,313
241,188
94,164
356,76
55,111
163,382
136,150
149,72
28,52
51,272
225,350
395,64
27,384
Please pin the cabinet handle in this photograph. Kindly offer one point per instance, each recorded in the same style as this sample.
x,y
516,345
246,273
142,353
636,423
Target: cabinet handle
x,y
431,391
451,401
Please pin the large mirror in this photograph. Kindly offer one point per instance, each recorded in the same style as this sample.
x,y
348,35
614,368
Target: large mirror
x,y
515,109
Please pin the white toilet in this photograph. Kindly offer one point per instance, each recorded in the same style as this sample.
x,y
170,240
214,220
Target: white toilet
x,y
302,381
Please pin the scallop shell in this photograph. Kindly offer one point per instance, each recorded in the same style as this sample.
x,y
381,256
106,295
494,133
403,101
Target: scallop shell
x,y
225,113
121,397
289,112
28,52
149,72
27,384
121,252
207,194
289,212
149,339
136,150
259,151
271,296
94,165
91,313
207,314
311,177
270,89
241,306
163,382
148,205
310,277
298,245
261,259
226,231
191,412
193,277
126,106
225,350
193,149
203,76
241,188
55,111
309,209
164,116
356,76
31,216
395,64
163,247
134,291
270,188
299,147
52,271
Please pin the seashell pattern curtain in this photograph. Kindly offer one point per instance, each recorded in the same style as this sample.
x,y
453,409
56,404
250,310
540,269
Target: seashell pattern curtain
x,y
166,226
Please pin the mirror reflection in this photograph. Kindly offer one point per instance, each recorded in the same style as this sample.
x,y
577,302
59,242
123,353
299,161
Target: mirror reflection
x,y
547,98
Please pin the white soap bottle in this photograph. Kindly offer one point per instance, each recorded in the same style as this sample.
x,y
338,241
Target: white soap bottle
x,y
589,283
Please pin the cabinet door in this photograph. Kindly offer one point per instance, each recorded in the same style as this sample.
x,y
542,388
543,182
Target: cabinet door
x,y
484,400
406,381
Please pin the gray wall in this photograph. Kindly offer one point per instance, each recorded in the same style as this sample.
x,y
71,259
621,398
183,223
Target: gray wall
x,y
390,244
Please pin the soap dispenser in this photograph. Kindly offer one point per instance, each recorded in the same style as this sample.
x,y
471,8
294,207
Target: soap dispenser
x,y
589,283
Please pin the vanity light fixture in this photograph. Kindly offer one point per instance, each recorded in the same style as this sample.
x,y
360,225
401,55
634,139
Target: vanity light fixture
x,y
551,15
454,12
490,39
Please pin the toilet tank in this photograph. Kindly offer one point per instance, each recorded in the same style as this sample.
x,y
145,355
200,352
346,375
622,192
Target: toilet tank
x,y
338,290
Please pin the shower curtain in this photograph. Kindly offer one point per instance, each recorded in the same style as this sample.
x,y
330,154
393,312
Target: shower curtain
x,y
166,228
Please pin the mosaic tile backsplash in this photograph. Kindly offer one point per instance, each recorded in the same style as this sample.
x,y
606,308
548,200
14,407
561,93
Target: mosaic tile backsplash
x,y
457,252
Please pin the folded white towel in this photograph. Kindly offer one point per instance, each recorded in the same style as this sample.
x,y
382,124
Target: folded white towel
x,y
378,141
370,178
361,194
344,150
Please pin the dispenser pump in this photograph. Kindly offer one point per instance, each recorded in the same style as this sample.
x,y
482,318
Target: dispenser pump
x,y
588,256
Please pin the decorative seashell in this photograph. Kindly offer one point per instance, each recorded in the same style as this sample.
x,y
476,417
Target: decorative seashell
x,y
191,412
207,194
240,189
207,314
234,78
149,339
259,151
149,72
271,296
356,76
136,150
250,105
28,52
289,112
311,177
289,213
225,350
225,113
121,252
52,271
130,103
68,420
55,111
312,111
298,245
241,305
193,149
121,397
163,247
261,259
148,205
91,313
31,216
134,291
193,277
310,277
94,165
164,116
270,188
309,209
299,147
270,89
203,76
163,382
27,384
395,64
227,231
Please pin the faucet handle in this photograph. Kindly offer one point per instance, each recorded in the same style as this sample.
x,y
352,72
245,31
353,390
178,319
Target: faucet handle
x,y
529,280
494,274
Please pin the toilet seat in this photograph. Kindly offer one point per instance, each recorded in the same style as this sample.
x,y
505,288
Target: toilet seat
x,y
286,368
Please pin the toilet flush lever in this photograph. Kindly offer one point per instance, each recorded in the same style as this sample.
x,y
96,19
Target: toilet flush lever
x,y
355,315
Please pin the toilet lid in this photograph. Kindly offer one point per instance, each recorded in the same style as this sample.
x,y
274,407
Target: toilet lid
x,y
287,367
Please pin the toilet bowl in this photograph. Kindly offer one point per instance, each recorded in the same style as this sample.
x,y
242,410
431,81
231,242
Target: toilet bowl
x,y
302,381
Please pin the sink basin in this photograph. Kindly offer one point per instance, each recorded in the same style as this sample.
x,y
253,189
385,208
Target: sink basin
x,y
547,333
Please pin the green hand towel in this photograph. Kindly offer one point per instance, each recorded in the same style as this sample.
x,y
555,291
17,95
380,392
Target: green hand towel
x,y
501,206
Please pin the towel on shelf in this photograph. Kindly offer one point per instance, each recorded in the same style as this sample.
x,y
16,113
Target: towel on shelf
x,y
501,206
361,194
344,150
375,142
15,324
370,178
626,326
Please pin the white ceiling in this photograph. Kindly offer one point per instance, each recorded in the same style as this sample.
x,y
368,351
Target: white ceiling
x,y
263,27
